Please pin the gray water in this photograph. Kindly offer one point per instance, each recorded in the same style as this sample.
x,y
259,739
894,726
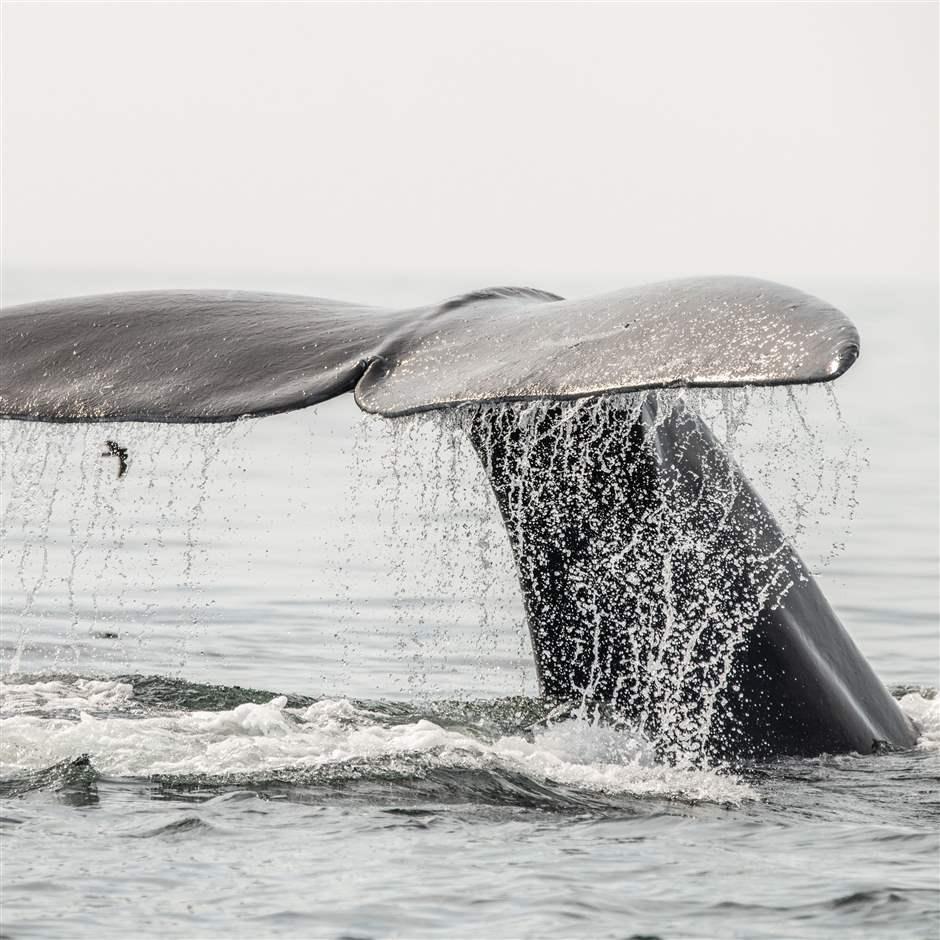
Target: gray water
x,y
276,682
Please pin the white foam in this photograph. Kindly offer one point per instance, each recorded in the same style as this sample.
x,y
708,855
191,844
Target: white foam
x,y
256,739
58,695
925,713
581,754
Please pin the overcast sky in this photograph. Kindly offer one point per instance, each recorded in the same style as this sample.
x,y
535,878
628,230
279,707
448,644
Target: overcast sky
x,y
519,141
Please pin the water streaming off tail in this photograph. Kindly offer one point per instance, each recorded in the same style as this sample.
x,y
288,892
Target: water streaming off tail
x,y
370,547
86,554
453,598
378,545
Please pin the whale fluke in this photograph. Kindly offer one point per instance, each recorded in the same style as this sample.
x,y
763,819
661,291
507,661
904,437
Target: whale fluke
x,y
189,356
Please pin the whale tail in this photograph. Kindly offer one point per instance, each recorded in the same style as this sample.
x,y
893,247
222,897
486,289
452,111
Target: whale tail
x,y
653,575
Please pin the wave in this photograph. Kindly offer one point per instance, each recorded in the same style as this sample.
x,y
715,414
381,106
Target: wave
x,y
66,733
510,750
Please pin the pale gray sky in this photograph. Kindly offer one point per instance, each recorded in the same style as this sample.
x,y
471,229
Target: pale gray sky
x,y
517,140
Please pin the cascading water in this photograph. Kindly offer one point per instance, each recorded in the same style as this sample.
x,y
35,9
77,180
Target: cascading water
x,y
449,567
94,555
85,554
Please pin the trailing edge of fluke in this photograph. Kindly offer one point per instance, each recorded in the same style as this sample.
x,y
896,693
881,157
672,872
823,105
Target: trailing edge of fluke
x,y
191,356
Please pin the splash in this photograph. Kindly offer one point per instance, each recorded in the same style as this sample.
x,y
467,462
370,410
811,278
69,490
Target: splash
x,y
923,708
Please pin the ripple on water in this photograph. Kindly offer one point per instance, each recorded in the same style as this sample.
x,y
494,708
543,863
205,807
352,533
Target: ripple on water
x,y
186,827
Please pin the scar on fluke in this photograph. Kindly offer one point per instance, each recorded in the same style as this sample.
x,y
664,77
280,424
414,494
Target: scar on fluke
x,y
115,450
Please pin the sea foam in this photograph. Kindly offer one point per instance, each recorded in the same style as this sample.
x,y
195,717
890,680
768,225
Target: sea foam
x,y
45,723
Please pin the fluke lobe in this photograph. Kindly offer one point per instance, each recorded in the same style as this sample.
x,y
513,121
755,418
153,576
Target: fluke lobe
x,y
796,683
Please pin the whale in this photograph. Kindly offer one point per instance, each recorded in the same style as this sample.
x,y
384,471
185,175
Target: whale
x,y
655,580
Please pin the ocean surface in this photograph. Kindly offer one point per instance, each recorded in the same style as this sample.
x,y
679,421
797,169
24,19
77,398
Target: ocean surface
x,y
276,682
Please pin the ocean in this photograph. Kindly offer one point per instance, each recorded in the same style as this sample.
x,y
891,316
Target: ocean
x,y
275,681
